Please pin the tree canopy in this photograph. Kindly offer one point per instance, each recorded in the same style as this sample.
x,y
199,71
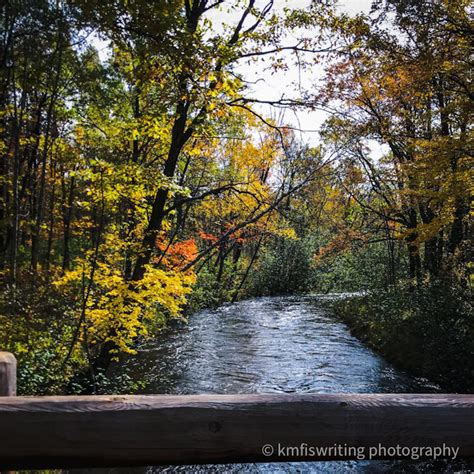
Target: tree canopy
x,y
144,181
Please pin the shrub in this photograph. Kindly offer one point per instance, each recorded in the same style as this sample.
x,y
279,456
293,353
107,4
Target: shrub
x,y
428,330
285,268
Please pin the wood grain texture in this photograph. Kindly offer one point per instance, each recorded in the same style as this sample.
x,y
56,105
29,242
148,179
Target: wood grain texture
x,y
191,429
7,375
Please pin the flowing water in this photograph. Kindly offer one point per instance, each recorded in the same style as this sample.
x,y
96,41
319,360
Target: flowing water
x,y
267,345
273,345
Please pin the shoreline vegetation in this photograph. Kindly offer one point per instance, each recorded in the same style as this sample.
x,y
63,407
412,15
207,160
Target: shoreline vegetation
x,y
149,168
422,331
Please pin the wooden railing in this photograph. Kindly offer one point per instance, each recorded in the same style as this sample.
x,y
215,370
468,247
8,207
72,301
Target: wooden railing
x,y
93,431
7,375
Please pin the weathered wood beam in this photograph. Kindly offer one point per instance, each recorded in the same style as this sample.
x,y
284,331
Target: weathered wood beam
x,y
191,429
7,375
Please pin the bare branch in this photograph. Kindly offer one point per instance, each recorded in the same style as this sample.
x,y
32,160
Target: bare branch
x,y
295,49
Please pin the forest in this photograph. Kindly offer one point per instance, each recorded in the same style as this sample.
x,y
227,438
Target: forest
x,y
146,175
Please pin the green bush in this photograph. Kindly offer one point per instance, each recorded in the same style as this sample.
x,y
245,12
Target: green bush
x,y
360,268
208,292
285,268
37,327
429,330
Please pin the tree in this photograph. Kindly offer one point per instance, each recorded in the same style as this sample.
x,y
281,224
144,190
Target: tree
x,y
407,88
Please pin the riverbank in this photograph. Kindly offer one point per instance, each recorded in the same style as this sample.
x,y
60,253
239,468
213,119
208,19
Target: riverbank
x,y
427,332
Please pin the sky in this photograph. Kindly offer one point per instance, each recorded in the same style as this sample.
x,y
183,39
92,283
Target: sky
x,y
274,86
